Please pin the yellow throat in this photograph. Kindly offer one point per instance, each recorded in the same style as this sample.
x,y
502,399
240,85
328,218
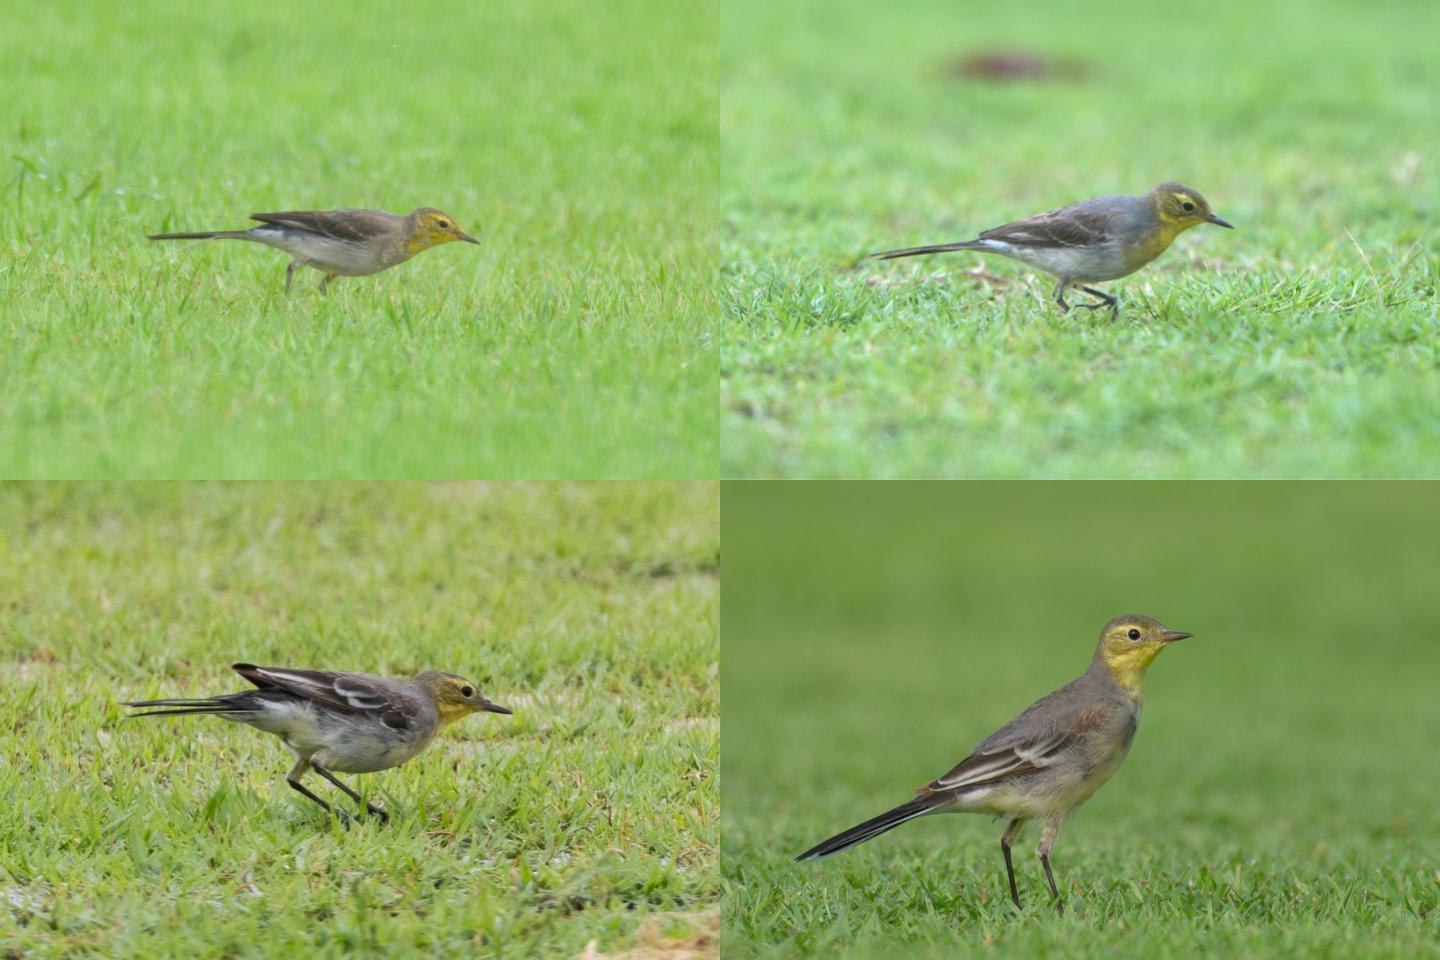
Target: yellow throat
x,y
450,712
1128,666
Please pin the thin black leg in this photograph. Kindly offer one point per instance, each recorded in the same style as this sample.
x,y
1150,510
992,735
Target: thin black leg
x,y
1060,297
370,807
1055,891
1006,839
1105,301
1010,871
289,274
297,785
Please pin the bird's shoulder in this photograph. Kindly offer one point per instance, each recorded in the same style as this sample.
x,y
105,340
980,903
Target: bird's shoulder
x,y
1034,721
353,226
390,702
1083,224
1032,741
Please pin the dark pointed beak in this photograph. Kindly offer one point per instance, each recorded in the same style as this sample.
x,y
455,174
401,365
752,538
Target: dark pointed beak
x,y
1170,636
469,239
496,708
1220,221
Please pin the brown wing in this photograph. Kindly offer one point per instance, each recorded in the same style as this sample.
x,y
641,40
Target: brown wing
x,y
999,764
317,685
349,225
356,693
1066,227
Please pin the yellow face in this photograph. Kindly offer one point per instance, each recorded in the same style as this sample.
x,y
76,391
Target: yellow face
x,y
434,227
1181,208
456,697
1129,644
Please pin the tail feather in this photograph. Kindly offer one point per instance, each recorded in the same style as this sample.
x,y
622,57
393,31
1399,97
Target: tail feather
x,y
871,828
182,707
203,235
932,248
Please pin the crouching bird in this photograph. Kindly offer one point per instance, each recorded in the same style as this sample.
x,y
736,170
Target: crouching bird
x,y
334,721
1103,238
342,243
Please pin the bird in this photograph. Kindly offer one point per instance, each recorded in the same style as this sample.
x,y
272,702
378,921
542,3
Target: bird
x,y
338,721
1094,240
1048,760
349,243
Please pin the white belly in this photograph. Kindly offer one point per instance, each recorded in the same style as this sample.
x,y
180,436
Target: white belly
x,y
367,753
322,253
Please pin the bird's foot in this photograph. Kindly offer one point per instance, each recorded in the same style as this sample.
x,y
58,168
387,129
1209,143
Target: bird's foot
x,y
1105,300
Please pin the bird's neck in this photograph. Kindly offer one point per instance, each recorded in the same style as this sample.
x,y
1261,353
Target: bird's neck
x,y
1127,667
1167,229
450,712
416,242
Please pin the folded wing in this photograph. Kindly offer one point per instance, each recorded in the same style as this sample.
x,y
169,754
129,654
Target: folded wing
x,y
346,692
353,226
1060,228
987,766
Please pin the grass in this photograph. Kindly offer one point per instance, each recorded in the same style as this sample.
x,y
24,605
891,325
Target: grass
x,y
1301,344
578,143
1279,799
591,814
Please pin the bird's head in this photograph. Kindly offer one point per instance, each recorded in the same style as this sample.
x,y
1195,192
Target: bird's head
x,y
454,696
1181,208
431,227
1128,644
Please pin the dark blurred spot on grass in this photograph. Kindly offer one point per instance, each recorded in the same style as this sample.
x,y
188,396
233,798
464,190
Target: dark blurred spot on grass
x,y
1003,66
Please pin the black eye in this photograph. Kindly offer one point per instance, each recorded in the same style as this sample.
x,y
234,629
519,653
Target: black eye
x,y
445,225
1187,205
467,692
1133,634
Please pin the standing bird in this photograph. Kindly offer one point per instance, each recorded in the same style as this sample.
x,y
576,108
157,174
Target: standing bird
x,y
350,722
349,243
1047,761
1100,239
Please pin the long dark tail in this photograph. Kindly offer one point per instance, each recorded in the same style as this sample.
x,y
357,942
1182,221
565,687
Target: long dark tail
x,y
871,828
215,705
204,235
932,248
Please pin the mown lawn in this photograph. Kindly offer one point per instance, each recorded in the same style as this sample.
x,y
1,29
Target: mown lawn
x,y
1279,798
591,814
1303,343
578,144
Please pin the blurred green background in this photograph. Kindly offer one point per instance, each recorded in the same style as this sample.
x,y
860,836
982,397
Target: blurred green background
x,y
577,142
1280,796
591,610
1303,343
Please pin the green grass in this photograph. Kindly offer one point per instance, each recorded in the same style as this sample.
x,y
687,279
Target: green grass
x,y
1280,796
591,610
1284,348
577,142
